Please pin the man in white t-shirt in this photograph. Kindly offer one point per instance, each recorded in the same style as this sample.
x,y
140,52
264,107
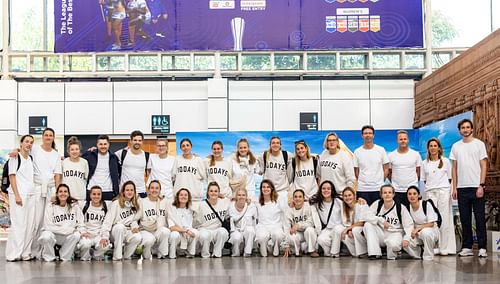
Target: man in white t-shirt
x,y
404,167
160,168
370,166
469,168
134,162
104,169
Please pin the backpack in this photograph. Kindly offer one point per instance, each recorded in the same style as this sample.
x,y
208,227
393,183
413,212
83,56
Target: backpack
x,y
315,165
285,157
124,153
5,173
424,207
396,204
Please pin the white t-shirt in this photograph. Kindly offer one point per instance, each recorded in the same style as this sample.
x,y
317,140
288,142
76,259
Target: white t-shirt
x,y
468,157
133,168
47,164
75,175
24,176
161,170
371,167
403,169
276,170
221,172
207,218
356,215
418,216
305,177
335,217
435,177
337,168
102,176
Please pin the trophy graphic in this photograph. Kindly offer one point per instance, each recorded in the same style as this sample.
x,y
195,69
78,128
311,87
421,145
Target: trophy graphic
x,y
238,27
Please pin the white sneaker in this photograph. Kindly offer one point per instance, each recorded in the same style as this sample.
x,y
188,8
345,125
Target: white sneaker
x,y
466,252
482,253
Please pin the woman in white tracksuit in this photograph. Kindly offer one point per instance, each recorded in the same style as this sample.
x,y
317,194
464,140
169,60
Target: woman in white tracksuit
x,y
273,165
426,231
436,174
335,164
152,220
180,219
22,201
302,172
94,213
210,228
219,169
384,228
269,233
300,226
63,225
188,171
350,231
121,223
245,166
327,208
243,217
48,172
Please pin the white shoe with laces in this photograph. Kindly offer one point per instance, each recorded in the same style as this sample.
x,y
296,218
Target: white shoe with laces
x,y
482,253
465,252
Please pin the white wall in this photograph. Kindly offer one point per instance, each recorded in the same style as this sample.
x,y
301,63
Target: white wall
x,y
216,104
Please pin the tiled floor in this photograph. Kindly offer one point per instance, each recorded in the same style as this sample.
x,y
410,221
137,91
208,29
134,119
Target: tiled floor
x,y
272,270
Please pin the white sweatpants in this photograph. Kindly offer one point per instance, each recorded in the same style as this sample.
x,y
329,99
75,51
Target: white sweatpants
x,y
325,239
217,237
159,238
308,237
376,238
86,244
442,199
41,203
269,235
355,244
176,240
121,236
67,242
426,237
22,228
247,237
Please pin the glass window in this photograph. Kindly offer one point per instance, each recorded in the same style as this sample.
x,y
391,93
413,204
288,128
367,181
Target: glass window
x,y
414,61
75,63
143,63
463,25
287,62
204,62
256,62
1,27
110,63
18,64
440,59
228,62
45,64
386,61
181,62
352,61
26,25
321,61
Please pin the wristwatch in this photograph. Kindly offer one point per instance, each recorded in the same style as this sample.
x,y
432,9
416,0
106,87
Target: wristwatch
x,y
482,185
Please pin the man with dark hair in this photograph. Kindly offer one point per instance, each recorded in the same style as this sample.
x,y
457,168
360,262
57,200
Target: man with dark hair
x,y
104,169
370,166
469,168
134,162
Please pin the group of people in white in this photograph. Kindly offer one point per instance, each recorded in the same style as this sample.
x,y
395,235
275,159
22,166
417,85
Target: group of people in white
x,y
86,205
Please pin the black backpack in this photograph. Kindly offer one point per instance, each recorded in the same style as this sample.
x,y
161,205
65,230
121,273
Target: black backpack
x,y
5,173
424,207
398,209
285,157
315,165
